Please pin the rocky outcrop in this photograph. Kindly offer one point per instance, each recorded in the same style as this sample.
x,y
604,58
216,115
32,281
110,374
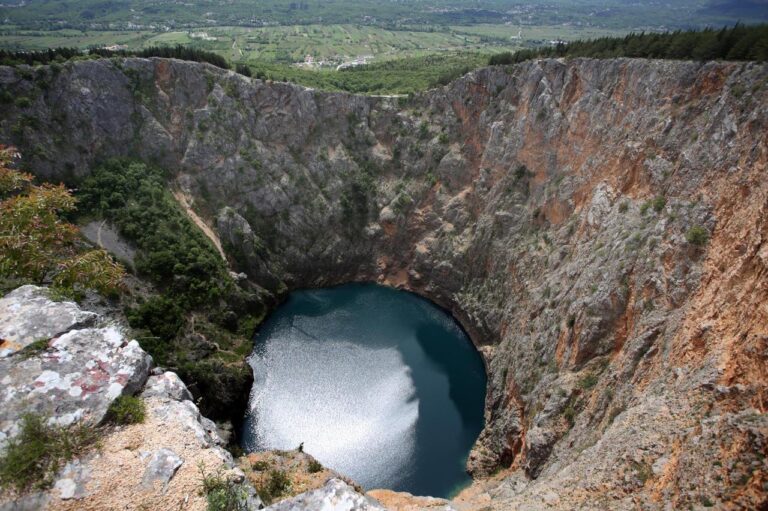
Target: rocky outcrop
x,y
71,377
335,495
28,315
548,205
74,373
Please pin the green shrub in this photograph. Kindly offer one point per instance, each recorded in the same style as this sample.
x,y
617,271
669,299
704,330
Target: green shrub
x,y
36,243
741,42
23,102
126,410
276,485
697,235
587,381
643,471
658,203
160,315
173,253
570,414
39,451
260,465
314,466
220,493
243,69
423,130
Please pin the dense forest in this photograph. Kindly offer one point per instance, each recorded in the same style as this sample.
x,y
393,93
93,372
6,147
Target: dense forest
x,y
196,319
739,42
31,58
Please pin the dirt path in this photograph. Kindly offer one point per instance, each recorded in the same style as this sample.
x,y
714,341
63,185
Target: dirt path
x,y
179,195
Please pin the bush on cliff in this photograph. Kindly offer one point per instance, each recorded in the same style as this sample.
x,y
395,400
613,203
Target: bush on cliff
x,y
220,493
38,246
697,235
173,253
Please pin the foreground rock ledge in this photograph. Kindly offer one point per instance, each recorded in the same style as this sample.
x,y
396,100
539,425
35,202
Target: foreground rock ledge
x,y
154,465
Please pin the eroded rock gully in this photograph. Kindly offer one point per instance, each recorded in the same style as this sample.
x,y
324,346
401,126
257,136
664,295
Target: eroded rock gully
x,y
546,204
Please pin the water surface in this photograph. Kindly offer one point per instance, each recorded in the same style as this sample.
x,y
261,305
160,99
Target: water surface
x,y
379,384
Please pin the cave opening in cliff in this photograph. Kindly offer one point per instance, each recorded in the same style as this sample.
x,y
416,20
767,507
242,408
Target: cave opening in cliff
x,y
378,384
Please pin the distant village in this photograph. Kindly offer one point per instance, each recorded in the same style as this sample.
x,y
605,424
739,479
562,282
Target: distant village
x,y
337,62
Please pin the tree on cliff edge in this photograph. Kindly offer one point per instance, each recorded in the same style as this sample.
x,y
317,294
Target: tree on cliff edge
x,y
38,246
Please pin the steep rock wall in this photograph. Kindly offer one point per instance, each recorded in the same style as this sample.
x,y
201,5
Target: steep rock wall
x,y
546,205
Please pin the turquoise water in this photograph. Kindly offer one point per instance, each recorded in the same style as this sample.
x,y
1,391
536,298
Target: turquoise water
x,y
379,384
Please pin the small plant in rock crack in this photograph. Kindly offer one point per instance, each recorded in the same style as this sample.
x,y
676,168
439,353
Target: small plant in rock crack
x,y
260,465
34,348
126,410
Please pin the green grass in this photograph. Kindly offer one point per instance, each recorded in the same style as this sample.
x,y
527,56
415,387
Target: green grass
x,y
34,348
32,458
126,410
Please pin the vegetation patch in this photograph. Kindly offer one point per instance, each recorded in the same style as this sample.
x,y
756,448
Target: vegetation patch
x,y
34,348
220,493
314,466
697,235
587,381
126,410
32,458
275,486
191,323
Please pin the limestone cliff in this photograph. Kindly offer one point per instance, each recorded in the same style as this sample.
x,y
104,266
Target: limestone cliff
x,y
598,227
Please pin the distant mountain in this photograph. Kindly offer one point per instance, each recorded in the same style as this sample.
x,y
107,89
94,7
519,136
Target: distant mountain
x,y
749,9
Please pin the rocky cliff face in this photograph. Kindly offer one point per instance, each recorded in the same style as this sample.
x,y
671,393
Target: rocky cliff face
x,y
598,227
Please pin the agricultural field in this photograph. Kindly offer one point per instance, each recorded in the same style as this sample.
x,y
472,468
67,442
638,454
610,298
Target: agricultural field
x,y
279,44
